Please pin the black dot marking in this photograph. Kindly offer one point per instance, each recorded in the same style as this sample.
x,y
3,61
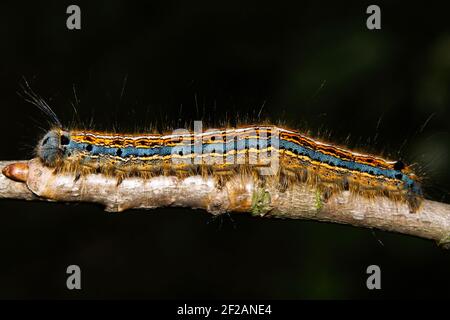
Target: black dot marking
x,y
45,141
213,138
399,176
180,153
119,152
64,140
69,154
399,165
89,147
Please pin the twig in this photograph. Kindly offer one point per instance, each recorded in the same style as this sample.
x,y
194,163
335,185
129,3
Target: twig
x,y
238,194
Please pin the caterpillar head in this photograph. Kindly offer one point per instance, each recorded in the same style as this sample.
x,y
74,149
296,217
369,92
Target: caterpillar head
x,y
52,146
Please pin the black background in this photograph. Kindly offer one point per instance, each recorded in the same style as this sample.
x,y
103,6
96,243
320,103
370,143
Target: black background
x,y
310,65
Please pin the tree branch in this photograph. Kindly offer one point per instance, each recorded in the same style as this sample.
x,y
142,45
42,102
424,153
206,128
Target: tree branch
x,y
241,193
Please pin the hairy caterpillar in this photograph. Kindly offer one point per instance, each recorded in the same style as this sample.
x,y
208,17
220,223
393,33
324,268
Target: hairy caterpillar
x,y
266,151
227,151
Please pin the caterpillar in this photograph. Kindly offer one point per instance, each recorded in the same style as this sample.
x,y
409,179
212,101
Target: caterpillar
x,y
268,152
224,152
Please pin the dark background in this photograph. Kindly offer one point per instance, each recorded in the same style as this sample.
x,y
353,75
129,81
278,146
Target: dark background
x,y
313,66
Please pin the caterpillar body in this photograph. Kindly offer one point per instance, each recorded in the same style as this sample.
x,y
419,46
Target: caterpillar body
x,y
225,152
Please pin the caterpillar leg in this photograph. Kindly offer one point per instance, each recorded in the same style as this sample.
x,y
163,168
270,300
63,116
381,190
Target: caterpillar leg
x,y
414,202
